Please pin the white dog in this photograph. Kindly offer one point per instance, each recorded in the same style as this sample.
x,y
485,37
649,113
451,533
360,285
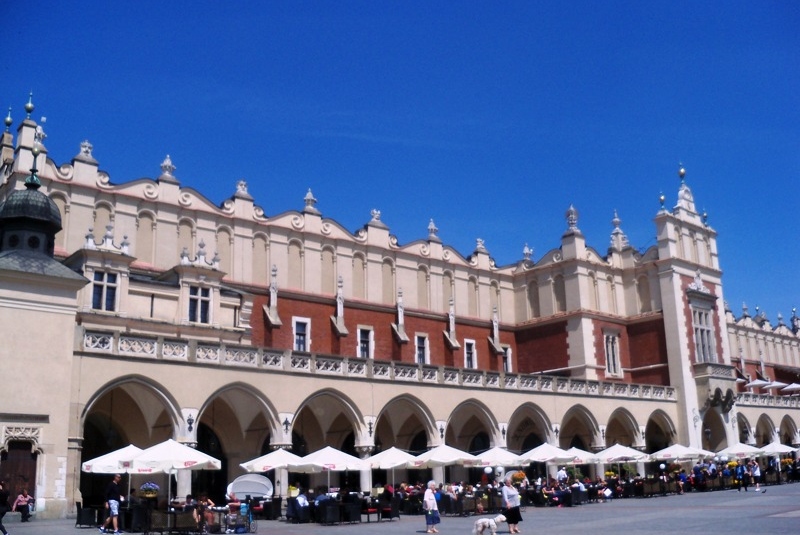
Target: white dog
x,y
482,524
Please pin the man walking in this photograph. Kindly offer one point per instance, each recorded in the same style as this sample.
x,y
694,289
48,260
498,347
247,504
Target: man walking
x,y
112,505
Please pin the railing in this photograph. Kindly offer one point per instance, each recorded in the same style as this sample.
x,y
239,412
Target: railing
x,y
171,350
768,400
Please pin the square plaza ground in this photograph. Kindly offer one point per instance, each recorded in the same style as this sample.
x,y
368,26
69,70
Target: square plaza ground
x,y
729,512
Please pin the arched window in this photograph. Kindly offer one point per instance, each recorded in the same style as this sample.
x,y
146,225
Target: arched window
x,y
447,290
260,260
472,297
295,265
559,294
102,218
328,272
186,239
422,287
643,291
387,278
533,299
224,250
359,277
145,239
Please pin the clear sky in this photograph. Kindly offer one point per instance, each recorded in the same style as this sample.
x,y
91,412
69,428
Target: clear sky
x,y
489,117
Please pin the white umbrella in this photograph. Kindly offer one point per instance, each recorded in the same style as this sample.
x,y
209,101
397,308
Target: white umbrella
x,y
443,455
620,454
580,456
775,384
794,387
546,453
740,451
776,448
114,462
279,458
328,459
498,456
390,459
679,452
171,456
757,383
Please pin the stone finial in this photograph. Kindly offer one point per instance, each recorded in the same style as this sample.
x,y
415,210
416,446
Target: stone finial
x,y
241,186
86,148
8,120
166,166
29,107
310,203
572,218
480,246
376,214
745,312
527,252
618,238
432,230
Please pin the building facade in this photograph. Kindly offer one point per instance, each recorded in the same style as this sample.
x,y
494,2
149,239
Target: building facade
x,y
162,315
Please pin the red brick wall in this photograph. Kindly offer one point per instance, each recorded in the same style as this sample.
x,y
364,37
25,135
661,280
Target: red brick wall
x,y
542,348
647,345
325,340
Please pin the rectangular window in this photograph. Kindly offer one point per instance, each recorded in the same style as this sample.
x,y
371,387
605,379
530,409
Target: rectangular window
x,y
506,359
302,334
612,354
704,343
365,343
199,304
422,349
470,355
104,291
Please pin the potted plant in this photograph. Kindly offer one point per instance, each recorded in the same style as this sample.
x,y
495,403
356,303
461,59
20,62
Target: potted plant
x,y
149,489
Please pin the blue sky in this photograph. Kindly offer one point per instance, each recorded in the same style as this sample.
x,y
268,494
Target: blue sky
x,y
489,117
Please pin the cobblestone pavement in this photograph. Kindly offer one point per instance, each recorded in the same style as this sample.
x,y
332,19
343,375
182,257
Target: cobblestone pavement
x,y
723,512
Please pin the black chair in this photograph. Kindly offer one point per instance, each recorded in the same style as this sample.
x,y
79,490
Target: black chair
x,y
297,514
352,512
327,512
87,517
394,508
159,522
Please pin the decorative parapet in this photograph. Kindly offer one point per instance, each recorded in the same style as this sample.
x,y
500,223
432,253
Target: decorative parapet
x,y
270,361
767,400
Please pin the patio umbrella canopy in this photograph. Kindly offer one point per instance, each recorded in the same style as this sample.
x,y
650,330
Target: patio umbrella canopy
x,y
390,459
546,453
275,459
679,452
620,454
169,457
740,451
498,456
579,456
776,448
328,459
443,455
114,462
117,461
